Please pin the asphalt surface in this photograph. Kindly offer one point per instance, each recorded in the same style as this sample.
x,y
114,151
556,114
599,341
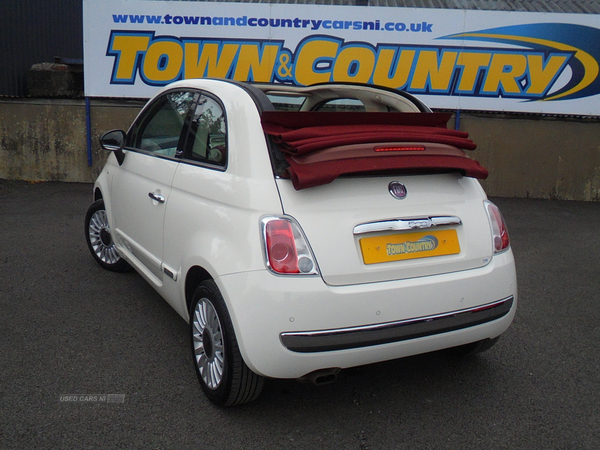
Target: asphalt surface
x,y
69,328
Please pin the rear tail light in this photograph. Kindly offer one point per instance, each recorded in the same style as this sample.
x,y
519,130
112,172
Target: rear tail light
x,y
500,239
286,248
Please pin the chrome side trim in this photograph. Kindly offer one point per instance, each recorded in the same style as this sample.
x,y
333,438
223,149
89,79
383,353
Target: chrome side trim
x,y
385,333
406,224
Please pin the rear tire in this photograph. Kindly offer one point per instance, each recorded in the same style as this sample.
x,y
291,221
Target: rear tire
x,y
224,376
99,239
473,348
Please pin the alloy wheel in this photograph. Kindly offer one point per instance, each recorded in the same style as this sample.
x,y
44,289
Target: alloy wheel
x,y
100,238
207,338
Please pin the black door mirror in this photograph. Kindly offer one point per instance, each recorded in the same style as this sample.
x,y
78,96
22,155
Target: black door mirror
x,y
114,141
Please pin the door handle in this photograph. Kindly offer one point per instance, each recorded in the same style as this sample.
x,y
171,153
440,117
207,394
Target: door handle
x,y
157,197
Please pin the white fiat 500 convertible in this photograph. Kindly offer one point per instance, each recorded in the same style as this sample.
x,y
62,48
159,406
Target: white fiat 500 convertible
x,y
303,230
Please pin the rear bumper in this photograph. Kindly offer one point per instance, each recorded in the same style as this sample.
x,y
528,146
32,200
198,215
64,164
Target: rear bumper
x,y
287,326
385,333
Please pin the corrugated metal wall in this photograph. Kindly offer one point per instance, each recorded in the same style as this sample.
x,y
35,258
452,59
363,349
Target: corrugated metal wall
x,y
562,6
35,31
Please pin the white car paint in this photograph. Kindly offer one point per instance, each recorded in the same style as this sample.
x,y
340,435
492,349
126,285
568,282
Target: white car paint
x,y
211,219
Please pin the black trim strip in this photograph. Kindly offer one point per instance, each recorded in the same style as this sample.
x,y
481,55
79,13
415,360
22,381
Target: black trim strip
x,y
385,333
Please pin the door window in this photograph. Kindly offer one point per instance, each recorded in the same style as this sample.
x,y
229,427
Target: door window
x,y
207,140
159,131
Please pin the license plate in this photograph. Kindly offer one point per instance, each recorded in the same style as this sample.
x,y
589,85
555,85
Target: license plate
x,y
402,246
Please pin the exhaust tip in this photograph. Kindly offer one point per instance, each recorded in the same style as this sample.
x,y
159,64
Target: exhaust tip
x,y
321,376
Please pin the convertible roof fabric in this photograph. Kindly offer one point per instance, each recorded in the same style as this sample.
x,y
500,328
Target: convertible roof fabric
x,y
358,142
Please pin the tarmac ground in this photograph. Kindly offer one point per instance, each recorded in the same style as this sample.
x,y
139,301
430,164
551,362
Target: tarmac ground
x,y
94,359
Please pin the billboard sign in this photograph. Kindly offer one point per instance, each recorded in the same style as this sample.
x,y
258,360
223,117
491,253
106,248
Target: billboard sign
x,y
452,59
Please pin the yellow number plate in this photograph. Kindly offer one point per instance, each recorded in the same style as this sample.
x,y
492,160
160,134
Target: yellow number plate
x,y
397,247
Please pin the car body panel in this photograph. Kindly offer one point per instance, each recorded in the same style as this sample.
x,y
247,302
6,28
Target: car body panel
x,y
138,219
218,211
221,237
210,222
264,305
348,202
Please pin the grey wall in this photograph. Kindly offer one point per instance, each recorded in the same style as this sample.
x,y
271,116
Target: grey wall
x,y
46,140
527,156
537,157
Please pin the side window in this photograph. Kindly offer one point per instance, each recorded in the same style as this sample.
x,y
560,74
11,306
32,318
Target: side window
x,y
207,140
342,105
287,102
159,130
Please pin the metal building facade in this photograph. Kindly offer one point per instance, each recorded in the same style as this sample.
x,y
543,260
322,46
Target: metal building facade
x,y
35,31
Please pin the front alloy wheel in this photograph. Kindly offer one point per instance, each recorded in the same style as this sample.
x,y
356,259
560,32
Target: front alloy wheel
x,y
99,239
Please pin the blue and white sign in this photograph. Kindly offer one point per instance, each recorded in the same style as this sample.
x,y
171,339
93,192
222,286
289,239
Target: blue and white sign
x,y
455,59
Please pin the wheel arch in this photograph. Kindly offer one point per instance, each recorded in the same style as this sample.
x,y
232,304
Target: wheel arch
x,y
97,194
195,275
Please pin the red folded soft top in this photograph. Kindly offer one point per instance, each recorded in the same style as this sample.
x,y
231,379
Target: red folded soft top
x,y
320,146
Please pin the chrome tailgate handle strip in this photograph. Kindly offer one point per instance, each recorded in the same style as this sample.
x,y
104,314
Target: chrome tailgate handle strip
x,y
406,224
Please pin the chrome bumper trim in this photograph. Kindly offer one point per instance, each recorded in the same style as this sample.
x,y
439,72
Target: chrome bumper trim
x,y
385,333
